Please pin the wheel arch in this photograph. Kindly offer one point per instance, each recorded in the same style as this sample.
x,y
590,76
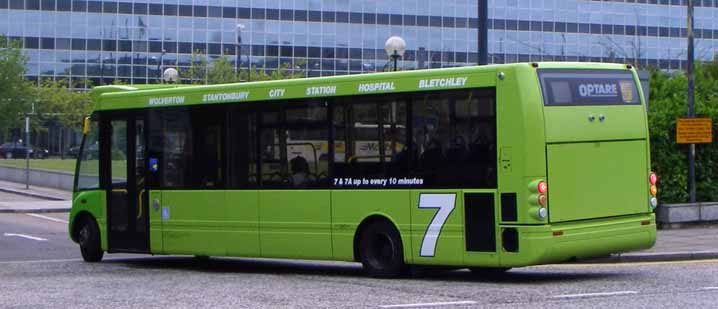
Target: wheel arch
x,y
371,219
79,218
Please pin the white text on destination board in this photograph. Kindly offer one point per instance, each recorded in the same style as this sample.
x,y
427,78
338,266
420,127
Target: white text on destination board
x,y
276,93
166,101
322,90
376,87
443,82
231,96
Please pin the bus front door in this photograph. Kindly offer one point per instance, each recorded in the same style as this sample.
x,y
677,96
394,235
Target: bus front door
x,y
127,211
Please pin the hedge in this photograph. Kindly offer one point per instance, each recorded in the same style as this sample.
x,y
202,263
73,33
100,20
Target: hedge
x,y
668,102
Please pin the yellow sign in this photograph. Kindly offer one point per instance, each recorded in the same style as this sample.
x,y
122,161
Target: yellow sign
x,y
694,131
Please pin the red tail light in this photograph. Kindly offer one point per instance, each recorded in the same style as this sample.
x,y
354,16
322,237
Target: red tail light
x,y
542,187
653,178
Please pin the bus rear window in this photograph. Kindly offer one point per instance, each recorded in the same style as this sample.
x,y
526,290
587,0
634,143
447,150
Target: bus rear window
x,y
588,87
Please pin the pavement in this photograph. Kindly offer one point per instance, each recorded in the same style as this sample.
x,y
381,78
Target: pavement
x,y
690,242
35,191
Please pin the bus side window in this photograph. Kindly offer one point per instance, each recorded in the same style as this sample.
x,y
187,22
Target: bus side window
x,y
293,148
307,142
171,141
271,153
455,137
208,127
370,142
188,146
243,148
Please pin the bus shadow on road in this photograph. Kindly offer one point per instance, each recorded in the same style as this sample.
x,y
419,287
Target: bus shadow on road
x,y
529,275
519,276
244,265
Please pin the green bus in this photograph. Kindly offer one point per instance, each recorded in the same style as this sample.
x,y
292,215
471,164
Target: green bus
x,y
486,168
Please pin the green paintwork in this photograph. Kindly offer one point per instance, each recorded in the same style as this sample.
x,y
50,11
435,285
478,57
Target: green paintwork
x,y
581,239
571,123
578,174
113,97
196,223
155,216
597,175
295,223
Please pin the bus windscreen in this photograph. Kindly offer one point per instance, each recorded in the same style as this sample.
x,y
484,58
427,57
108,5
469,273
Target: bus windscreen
x,y
588,87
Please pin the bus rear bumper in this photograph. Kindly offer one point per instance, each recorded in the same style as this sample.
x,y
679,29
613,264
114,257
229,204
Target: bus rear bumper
x,y
560,242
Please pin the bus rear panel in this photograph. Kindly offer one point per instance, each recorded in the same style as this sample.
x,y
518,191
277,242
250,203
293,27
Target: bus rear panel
x,y
595,155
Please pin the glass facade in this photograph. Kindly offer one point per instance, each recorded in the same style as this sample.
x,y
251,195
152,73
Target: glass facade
x,y
124,39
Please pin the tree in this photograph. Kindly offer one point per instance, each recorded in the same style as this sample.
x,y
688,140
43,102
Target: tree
x,y
196,73
222,72
14,88
58,102
58,106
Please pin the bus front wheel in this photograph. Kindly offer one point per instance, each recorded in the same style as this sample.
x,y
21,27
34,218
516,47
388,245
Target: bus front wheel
x,y
89,239
381,252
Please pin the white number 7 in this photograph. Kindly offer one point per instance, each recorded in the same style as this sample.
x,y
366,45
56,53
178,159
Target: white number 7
x,y
445,204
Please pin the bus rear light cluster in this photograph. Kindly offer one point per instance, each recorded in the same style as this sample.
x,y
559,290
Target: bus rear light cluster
x,y
539,189
653,190
542,189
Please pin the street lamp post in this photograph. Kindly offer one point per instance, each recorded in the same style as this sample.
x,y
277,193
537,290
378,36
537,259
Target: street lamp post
x,y
27,146
483,32
395,47
237,67
159,65
102,69
691,106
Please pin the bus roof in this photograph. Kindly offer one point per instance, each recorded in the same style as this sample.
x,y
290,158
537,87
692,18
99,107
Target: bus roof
x,y
164,95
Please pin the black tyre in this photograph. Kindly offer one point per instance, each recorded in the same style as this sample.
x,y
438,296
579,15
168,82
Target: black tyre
x,y
89,239
380,250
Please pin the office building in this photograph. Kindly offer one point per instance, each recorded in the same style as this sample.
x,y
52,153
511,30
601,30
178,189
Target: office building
x,y
125,39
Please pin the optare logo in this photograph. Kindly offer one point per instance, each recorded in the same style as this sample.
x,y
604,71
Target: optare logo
x,y
598,90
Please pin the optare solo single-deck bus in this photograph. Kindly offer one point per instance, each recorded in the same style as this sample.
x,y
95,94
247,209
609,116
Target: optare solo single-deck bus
x,y
487,167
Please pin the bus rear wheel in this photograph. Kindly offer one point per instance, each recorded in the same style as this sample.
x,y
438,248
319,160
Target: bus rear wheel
x,y
381,252
89,239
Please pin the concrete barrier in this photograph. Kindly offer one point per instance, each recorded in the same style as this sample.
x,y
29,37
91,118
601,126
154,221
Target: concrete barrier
x,y
42,178
673,214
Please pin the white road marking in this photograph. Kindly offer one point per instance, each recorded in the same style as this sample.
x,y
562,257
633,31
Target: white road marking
x,y
48,218
618,293
40,261
451,303
24,236
710,288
